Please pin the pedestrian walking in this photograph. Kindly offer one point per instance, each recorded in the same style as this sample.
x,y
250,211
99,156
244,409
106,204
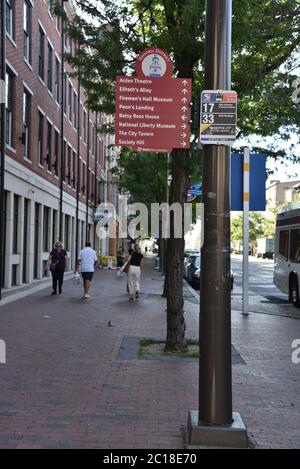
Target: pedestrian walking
x,y
134,273
57,263
87,259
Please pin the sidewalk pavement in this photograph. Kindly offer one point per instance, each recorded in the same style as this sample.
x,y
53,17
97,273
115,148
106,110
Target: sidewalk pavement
x,y
71,381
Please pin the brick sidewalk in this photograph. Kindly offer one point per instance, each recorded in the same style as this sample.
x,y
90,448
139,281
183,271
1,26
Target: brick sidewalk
x,y
65,384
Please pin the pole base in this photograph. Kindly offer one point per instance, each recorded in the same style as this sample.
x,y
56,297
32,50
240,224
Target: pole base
x,y
201,434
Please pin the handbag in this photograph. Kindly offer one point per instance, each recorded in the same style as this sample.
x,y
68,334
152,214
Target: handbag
x,y
126,267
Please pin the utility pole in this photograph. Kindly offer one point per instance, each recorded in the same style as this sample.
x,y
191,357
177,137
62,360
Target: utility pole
x,y
62,130
214,424
2,140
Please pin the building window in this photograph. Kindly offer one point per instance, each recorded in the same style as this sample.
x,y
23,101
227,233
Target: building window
x,y
15,224
9,18
26,122
83,179
84,126
27,30
67,229
65,162
41,139
70,102
74,109
55,163
56,80
50,65
41,53
65,92
46,230
74,170
54,218
69,165
49,146
8,108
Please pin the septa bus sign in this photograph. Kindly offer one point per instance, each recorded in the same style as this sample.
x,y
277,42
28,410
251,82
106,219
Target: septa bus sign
x,y
218,117
153,109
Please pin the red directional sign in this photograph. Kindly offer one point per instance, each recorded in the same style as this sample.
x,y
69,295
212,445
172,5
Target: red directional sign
x,y
152,109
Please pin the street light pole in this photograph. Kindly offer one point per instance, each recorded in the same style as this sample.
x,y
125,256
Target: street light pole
x,y
214,425
2,139
215,394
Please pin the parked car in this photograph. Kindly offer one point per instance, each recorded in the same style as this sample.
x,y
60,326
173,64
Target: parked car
x,y
192,265
196,278
187,260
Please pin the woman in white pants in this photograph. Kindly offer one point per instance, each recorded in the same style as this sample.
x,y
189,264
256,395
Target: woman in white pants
x,y
134,274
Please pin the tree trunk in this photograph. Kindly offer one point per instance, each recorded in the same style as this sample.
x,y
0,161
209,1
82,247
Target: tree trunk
x,y
175,340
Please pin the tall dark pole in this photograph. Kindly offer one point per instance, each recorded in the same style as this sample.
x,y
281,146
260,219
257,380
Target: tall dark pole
x,y
62,130
87,178
78,173
2,141
96,174
215,382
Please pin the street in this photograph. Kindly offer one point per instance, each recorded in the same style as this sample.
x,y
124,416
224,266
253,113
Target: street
x,y
260,278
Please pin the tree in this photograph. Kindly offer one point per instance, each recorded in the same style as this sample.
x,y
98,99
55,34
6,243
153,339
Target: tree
x,y
265,44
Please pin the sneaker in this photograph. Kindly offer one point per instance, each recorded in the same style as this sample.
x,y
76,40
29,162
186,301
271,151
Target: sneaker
x,y
132,298
137,295
53,293
86,295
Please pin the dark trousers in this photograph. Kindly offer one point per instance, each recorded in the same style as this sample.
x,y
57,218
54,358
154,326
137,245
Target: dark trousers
x,y
57,277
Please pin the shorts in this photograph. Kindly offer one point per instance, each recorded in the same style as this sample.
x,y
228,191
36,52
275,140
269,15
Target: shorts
x,y
87,276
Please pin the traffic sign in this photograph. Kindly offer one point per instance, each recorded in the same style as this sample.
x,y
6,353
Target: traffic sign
x,y
152,108
218,117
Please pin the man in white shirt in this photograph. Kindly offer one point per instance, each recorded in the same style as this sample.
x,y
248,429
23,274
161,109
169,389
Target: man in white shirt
x,y
87,259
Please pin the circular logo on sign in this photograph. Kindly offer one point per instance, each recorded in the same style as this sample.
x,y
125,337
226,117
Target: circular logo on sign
x,y
154,63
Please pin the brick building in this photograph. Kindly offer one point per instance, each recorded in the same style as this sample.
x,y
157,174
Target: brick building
x,y
39,123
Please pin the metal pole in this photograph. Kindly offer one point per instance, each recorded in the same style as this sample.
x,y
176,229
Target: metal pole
x,y
246,191
215,374
2,140
78,174
87,178
62,156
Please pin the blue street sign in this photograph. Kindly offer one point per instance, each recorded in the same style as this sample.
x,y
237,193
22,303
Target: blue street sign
x,y
257,182
258,179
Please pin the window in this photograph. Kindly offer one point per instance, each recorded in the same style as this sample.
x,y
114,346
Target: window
x,y
69,165
67,229
83,179
295,245
74,109
9,107
56,80
26,121
49,146
15,224
41,139
9,18
84,126
41,53
64,164
49,75
74,170
284,243
70,102
65,92
27,30
54,218
46,229
55,163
